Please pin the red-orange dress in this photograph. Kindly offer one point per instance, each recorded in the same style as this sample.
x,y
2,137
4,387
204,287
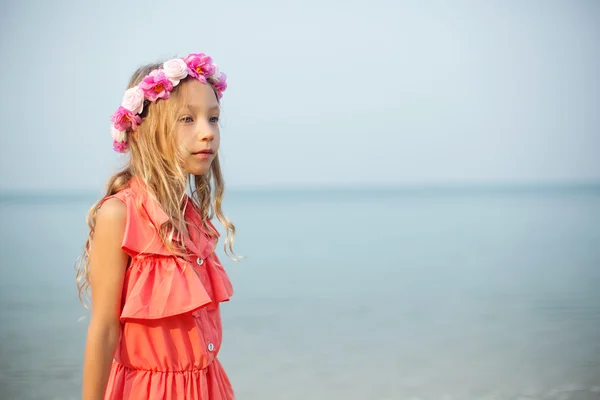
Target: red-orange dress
x,y
171,323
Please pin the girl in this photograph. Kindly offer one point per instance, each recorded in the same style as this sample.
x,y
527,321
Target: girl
x,y
155,329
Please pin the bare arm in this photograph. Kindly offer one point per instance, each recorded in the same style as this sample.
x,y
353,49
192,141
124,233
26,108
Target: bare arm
x,y
107,270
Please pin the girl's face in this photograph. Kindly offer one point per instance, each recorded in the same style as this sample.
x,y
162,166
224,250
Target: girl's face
x,y
197,127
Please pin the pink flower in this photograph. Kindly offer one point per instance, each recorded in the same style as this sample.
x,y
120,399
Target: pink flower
x,y
124,119
200,66
221,84
120,147
156,86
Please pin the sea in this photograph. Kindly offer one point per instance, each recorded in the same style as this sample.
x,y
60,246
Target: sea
x,y
375,294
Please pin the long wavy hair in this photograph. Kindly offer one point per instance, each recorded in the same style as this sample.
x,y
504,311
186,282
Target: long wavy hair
x,y
155,159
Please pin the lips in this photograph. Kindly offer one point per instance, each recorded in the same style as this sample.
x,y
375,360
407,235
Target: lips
x,y
206,151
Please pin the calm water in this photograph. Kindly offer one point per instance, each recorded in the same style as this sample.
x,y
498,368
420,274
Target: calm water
x,y
387,295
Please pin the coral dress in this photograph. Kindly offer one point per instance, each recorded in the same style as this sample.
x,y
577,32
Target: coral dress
x,y
171,323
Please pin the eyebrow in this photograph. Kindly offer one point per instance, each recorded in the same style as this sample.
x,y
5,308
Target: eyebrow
x,y
194,107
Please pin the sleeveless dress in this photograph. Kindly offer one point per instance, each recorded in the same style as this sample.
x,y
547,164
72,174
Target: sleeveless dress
x,y
171,323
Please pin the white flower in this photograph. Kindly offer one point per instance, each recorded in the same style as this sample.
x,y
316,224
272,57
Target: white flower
x,y
133,100
175,70
118,135
217,74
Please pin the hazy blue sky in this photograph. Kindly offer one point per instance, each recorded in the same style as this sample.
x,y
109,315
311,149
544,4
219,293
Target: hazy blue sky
x,y
320,92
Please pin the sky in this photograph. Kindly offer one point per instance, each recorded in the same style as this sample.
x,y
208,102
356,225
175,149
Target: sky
x,y
321,93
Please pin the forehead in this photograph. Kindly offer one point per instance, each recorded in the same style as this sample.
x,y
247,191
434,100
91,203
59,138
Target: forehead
x,y
199,95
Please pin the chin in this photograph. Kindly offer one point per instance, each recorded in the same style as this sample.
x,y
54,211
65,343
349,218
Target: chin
x,y
195,166
198,170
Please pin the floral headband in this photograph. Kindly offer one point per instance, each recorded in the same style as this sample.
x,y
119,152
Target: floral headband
x,y
158,84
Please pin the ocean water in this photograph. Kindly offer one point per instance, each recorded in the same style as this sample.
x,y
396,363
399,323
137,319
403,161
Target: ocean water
x,y
372,295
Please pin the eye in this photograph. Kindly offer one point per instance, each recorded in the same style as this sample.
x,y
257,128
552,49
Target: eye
x,y
186,119
214,120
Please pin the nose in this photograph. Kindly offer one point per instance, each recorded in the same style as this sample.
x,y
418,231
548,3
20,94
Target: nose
x,y
205,133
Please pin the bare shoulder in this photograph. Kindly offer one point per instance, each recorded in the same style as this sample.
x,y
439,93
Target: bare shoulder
x,y
107,260
112,210
109,226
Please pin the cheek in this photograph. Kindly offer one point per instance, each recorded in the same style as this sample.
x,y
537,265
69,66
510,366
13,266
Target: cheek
x,y
217,140
182,138
178,137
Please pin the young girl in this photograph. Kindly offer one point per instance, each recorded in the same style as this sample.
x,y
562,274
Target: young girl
x,y
156,283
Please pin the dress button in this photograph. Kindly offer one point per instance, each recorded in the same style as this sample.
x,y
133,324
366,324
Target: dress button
x,y
199,261
211,346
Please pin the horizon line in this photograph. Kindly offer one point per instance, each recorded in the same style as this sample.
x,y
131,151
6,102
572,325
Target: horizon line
x,y
401,187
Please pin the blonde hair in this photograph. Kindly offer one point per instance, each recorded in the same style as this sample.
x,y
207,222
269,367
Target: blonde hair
x,y
155,159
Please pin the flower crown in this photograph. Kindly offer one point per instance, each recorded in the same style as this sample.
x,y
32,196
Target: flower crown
x,y
158,84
